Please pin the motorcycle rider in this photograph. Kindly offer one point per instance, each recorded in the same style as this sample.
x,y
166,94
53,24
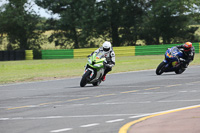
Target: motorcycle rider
x,y
109,54
188,51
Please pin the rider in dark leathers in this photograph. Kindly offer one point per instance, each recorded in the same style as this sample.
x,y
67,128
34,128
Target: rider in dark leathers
x,y
188,51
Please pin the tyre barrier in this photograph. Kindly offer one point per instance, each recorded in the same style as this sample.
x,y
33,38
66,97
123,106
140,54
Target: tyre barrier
x,y
29,54
16,55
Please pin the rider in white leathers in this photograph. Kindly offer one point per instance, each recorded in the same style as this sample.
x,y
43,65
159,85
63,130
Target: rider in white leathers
x,y
109,54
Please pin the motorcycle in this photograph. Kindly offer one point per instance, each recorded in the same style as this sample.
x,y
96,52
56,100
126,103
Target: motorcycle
x,y
94,70
171,62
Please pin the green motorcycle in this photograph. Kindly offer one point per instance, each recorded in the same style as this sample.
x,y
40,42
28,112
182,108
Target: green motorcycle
x,y
94,70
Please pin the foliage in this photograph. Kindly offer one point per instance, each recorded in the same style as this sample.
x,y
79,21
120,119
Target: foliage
x,y
168,20
19,24
75,22
90,22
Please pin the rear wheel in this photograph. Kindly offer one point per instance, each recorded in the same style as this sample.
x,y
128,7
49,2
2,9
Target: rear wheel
x,y
160,68
84,79
97,83
179,71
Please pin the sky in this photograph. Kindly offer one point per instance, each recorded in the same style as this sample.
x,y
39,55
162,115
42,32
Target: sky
x,y
40,11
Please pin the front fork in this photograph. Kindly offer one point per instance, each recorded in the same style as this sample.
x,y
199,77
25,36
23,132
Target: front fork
x,y
89,69
167,66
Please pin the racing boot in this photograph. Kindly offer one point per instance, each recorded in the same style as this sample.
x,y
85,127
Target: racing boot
x,y
103,78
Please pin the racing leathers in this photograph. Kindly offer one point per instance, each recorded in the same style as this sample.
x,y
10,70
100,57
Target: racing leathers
x,y
188,55
110,59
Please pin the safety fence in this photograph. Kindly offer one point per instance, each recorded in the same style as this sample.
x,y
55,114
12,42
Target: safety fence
x,y
119,51
57,54
158,49
84,52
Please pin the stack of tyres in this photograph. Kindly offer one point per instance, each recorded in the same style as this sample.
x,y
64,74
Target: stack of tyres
x,y
12,55
20,55
29,54
1,55
6,55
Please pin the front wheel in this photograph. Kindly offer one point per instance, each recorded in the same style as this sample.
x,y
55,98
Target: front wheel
x,y
160,68
84,79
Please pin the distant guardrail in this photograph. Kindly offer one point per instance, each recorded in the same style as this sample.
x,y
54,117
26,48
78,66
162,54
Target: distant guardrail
x,y
84,52
158,49
57,54
119,51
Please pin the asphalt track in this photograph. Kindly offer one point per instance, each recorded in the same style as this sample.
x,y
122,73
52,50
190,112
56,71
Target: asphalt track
x,y
62,106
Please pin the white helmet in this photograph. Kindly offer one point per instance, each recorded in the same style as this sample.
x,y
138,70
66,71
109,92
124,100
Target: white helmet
x,y
106,46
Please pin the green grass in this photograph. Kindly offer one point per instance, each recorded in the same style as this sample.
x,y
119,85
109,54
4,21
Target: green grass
x,y
33,70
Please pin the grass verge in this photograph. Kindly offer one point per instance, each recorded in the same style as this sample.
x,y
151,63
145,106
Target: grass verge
x,y
34,70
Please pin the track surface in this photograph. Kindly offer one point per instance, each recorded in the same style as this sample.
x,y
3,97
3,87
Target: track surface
x,y
63,106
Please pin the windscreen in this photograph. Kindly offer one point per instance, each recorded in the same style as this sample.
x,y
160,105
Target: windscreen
x,y
174,51
100,55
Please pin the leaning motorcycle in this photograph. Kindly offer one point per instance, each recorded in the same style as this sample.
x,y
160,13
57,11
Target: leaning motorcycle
x,y
172,62
94,70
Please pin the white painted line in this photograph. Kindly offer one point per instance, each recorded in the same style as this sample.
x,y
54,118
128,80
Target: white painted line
x,y
61,130
61,117
3,119
132,117
90,125
168,101
112,121
163,111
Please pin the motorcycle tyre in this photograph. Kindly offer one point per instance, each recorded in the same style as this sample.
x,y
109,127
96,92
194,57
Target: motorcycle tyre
x,y
97,83
179,71
160,67
84,79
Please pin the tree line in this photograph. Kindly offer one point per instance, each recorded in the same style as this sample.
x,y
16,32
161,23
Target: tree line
x,y
123,22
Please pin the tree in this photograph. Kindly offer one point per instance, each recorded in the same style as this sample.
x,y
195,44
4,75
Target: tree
x,y
132,12
76,19
108,20
167,19
20,24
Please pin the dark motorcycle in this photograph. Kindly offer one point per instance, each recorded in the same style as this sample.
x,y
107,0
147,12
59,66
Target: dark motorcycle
x,y
172,62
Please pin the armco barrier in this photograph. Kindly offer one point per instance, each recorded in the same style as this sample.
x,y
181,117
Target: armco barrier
x,y
152,49
119,51
158,49
57,54
124,51
84,52
199,47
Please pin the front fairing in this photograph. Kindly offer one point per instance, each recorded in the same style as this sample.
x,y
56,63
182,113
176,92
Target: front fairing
x,y
171,55
172,58
96,61
95,64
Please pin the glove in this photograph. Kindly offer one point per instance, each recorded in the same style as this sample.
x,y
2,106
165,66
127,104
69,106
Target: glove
x,y
109,65
182,60
90,54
